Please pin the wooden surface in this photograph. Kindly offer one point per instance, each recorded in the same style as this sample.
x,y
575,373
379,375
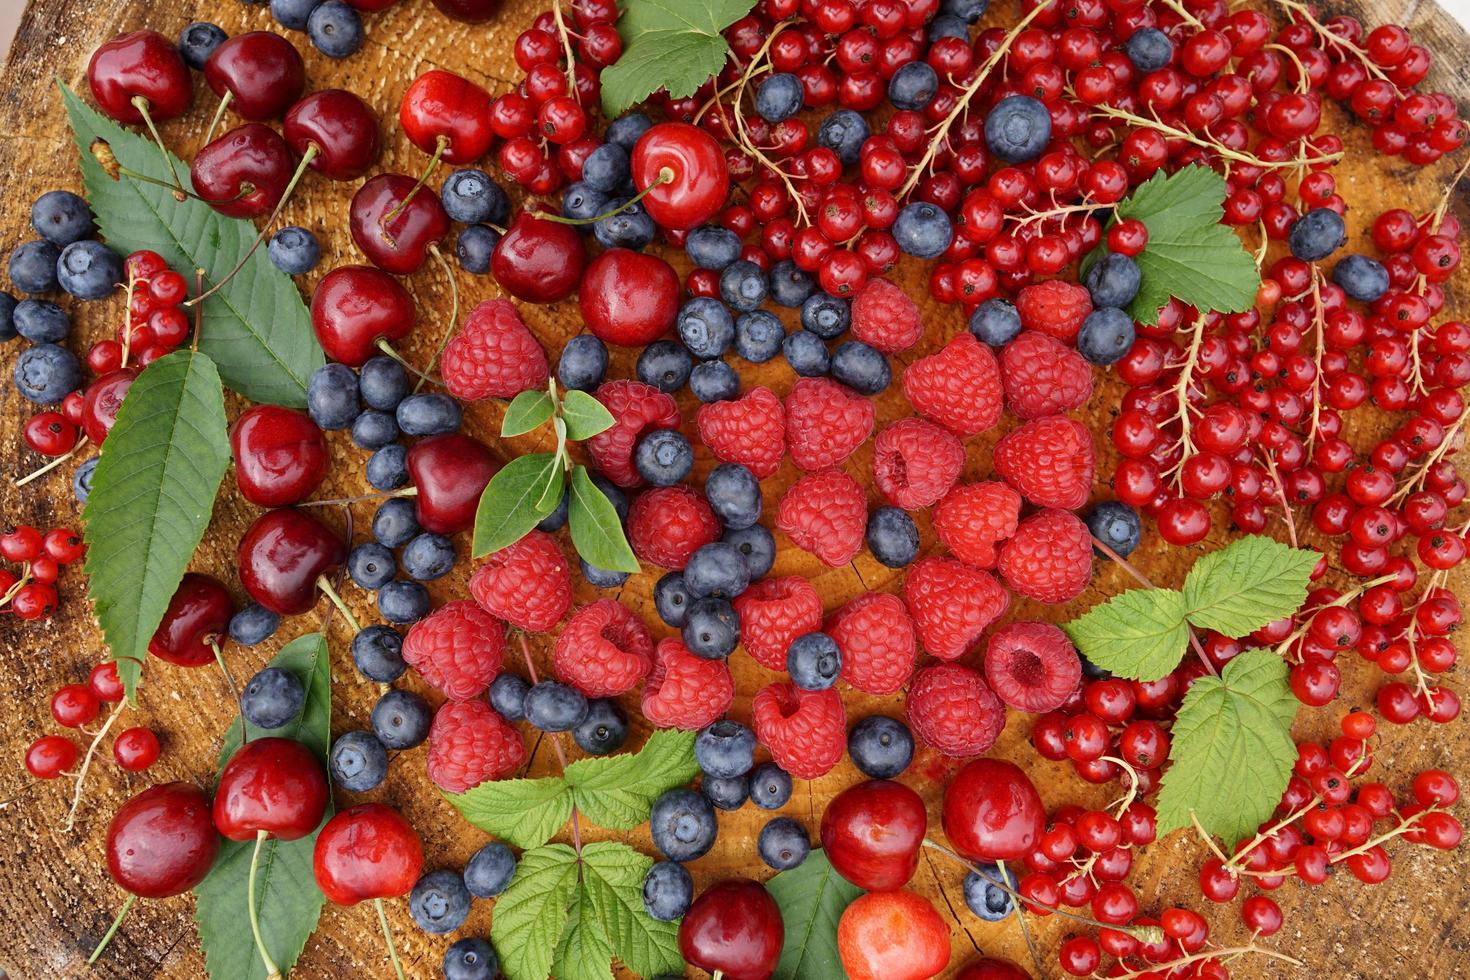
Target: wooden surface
x,y
55,899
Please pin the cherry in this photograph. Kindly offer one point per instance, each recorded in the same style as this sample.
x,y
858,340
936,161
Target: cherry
x,y
280,455
734,928
243,173
992,811
197,615
162,842
872,833
74,705
682,169
989,968
21,543
354,308
468,11
258,74
396,222
135,749
139,76
629,298
50,756
341,126
282,555
448,116
367,852
450,471
103,399
892,935
273,787
538,261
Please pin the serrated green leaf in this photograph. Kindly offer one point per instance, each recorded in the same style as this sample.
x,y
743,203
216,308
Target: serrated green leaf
x,y
256,328
617,791
584,415
1231,751
531,915
812,897
526,411
152,497
1247,584
526,812
596,531
612,878
1140,634
514,502
668,44
584,952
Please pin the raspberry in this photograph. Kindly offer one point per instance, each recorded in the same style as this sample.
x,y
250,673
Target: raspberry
x,y
1049,460
493,355
916,462
805,731
604,650
950,707
975,517
952,604
636,408
958,387
1054,307
876,637
1049,558
668,524
750,430
826,422
1032,666
1043,376
775,611
469,743
884,317
457,649
825,513
685,691
528,584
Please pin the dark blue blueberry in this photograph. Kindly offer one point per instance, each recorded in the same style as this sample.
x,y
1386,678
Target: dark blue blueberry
x,y
358,761
41,321
428,557
743,286
252,624
7,317
583,363
471,197
968,11
395,522
293,14
806,353
613,493
995,322
1149,49
1361,278
32,267
1092,671
440,902
726,792
725,749
335,29
428,414
756,546
1113,280
790,286
489,870
89,270
913,86
671,599
374,429
1316,234
783,843
779,97
602,578
1017,129
377,652
47,373
893,538
81,480
734,494
844,132
387,468
1106,335
62,217
198,41
294,250
923,230
948,25
714,381
383,383
666,365
470,959
826,315
581,202
668,891
401,719
861,367
881,747
508,696
712,247
331,396
813,661
1116,525
988,900
371,565
663,457
606,169
557,519
716,569
604,730
271,698
475,247
625,130
770,786
403,602
555,707
682,824
630,227
713,628
758,336
706,327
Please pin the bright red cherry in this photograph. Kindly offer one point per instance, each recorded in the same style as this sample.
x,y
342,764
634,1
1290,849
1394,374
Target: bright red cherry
x,y
989,968
342,127
442,105
992,812
450,472
734,928
892,935
280,455
258,73
281,557
103,398
135,749
367,852
142,65
629,298
50,755
354,307
538,261
74,705
198,613
685,168
162,842
243,173
272,786
468,11
872,832
394,231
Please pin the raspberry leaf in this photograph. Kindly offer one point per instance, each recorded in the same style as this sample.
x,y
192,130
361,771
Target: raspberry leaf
x,y
673,45
596,531
617,791
531,915
1247,584
812,897
527,411
515,500
526,812
1231,752
584,952
612,880
1141,634
584,415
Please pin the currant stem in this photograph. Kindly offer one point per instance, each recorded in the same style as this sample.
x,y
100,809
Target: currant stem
x,y
47,468
665,176
453,315
122,913
76,799
272,972
441,143
331,593
141,104
566,43
1174,132
388,938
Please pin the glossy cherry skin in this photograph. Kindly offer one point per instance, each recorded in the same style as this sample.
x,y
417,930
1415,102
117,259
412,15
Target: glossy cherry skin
x,y
872,832
698,180
468,11
992,812
538,261
354,307
629,298
199,611
734,927
892,935
162,841
342,127
441,103
367,851
102,400
274,785
262,71
283,554
243,173
143,63
450,472
280,455
401,244
990,968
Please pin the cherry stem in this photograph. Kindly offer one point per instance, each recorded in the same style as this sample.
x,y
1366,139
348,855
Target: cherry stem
x,y
380,495
388,349
560,754
453,315
1020,913
76,798
219,113
198,311
331,593
219,658
141,104
1143,580
122,913
145,179
666,175
43,470
441,143
388,938
272,971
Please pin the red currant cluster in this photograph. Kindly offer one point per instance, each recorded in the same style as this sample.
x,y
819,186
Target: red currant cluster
x,y
78,705
1111,726
32,593
1083,859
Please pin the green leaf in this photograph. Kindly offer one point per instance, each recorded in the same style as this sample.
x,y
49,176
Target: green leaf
x,y
531,915
617,791
668,44
584,952
812,897
526,812
526,411
1141,634
612,879
1231,752
596,531
585,416
1247,584
256,328
513,502
152,496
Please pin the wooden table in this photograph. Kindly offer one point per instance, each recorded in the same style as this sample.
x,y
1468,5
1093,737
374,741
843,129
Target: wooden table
x,y
55,898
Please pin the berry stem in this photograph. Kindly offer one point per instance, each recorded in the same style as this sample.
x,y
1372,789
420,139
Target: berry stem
x,y
453,315
388,349
1174,132
1404,825
1019,911
336,599
1275,475
48,467
561,756
122,913
566,44
1162,969
219,113
1305,13
441,143
1319,325
76,798
1184,14
1181,398
388,938
379,495
219,658
272,972
141,104
666,175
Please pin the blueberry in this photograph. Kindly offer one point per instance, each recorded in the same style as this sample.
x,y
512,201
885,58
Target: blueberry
x,y
395,522
663,457
403,602
725,749
706,327
626,130
770,786
471,197
716,569
583,363
844,132
948,25
61,217
1113,281
671,599
377,652
826,315
272,698
47,373
813,661
401,719
474,247
33,267
683,825
198,41
779,97
374,429
1361,278
358,761
387,468
606,169
712,247
713,628
806,353
557,519
986,899
1017,129
293,14
508,696
555,707
666,365
1149,49
881,747
743,286
440,902
382,382
7,317
602,578
726,792
758,336
756,546
995,322
861,367
89,270
790,286
913,86
294,250
331,396
734,494
428,414
253,624
427,557
783,843
1106,335
41,321
489,870
470,959
1116,525
1316,234
81,480
922,230
631,227
613,493
714,381
668,891
582,202
1092,671
893,538
968,11
371,565
604,730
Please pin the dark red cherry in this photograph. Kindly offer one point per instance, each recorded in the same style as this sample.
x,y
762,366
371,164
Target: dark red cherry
x,y
262,73
990,968
399,243
367,851
629,298
103,398
198,613
441,103
243,173
686,169
270,785
354,307
280,455
144,64
162,842
538,261
872,832
342,127
283,554
992,811
734,928
469,11
450,472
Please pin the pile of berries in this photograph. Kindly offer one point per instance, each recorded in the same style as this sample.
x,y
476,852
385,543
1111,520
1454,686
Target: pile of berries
x,y
32,594
78,705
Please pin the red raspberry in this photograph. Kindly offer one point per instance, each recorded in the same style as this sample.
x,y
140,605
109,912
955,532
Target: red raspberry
x,y
528,584
750,430
685,691
916,462
1054,307
805,731
493,355
469,744
952,604
884,317
457,649
950,707
604,650
1049,558
668,524
1043,376
1032,666
1049,460
826,422
975,517
775,611
825,513
636,408
876,637
959,386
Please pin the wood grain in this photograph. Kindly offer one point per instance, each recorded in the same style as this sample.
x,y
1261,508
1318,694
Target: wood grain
x,y
55,898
